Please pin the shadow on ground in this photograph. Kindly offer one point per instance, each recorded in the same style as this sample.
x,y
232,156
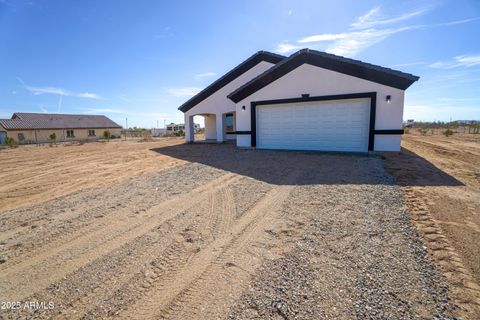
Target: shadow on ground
x,y
409,169
307,167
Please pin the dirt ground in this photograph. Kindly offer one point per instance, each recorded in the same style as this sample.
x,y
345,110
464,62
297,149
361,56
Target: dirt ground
x,y
208,232
31,174
441,179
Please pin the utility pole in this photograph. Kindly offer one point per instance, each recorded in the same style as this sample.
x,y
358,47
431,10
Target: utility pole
x,y
126,128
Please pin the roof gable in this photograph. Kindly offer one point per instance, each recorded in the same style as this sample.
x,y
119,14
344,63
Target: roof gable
x,y
230,76
355,68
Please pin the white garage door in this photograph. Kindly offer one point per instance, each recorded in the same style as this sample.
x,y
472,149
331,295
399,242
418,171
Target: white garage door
x,y
340,125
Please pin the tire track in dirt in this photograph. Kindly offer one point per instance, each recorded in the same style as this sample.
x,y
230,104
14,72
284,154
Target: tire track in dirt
x,y
184,285
91,244
466,292
198,226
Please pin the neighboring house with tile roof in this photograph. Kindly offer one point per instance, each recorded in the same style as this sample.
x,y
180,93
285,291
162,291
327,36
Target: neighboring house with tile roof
x,y
28,128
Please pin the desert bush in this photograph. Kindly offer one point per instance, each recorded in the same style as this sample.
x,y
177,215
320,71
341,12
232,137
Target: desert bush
x,y
448,132
423,132
107,135
53,139
406,131
180,133
9,141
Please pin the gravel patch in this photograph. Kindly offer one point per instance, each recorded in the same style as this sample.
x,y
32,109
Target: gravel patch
x,y
358,257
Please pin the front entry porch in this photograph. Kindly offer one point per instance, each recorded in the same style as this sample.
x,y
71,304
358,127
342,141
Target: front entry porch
x,y
218,128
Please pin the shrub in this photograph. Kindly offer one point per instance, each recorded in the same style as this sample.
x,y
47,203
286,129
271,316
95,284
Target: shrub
x,y
180,133
448,132
423,132
107,135
9,141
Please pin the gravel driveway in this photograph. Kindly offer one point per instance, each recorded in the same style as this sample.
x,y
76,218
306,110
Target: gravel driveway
x,y
234,234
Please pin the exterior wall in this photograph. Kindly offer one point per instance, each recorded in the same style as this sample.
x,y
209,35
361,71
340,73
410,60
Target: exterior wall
x,y
42,135
321,82
218,103
210,127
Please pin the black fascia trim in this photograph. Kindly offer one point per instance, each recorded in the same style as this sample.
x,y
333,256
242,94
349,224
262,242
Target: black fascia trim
x,y
355,68
373,106
390,131
230,76
242,132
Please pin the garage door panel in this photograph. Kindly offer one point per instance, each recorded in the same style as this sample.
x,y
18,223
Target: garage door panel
x,y
340,125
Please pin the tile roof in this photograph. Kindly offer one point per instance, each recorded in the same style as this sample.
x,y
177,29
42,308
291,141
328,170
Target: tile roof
x,y
22,120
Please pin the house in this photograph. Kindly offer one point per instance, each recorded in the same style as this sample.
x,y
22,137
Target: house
x,y
172,127
27,128
310,100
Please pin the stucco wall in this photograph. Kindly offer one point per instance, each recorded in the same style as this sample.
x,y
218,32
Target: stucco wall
x,y
218,103
42,136
320,82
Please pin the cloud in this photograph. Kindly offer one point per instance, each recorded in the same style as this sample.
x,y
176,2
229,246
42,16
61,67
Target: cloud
x,y
56,91
88,95
184,91
354,42
290,12
458,61
373,18
363,33
286,47
323,37
46,90
205,75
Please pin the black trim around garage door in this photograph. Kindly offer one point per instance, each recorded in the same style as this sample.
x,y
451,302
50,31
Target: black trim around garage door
x,y
373,107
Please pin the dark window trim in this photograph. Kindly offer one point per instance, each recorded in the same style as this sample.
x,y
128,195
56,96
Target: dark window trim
x,y
242,132
373,106
230,114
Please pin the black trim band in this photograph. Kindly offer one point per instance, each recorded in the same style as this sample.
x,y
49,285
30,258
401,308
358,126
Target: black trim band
x,y
373,107
242,132
392,131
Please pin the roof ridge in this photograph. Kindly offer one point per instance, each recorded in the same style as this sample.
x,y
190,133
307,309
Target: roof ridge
x,y
406,78
230,76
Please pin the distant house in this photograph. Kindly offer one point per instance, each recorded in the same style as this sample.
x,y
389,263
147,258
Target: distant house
x,y
172,127
26,128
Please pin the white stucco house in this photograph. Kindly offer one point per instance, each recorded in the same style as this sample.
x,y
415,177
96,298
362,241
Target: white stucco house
x,y
310,100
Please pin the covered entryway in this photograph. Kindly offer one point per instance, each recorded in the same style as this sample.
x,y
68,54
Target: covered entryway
x,y
335,125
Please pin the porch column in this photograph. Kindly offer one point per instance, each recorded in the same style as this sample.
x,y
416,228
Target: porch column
x,y
220,128
189,129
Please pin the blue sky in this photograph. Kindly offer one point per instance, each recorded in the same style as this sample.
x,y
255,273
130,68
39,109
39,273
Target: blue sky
x,y
143,59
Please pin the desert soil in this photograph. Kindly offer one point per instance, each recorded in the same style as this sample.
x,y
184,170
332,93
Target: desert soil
x,y
33,174
212,232
441,180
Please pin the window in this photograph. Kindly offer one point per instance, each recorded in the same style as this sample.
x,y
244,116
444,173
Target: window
x,y
70,134
229,123
21,137
91,133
